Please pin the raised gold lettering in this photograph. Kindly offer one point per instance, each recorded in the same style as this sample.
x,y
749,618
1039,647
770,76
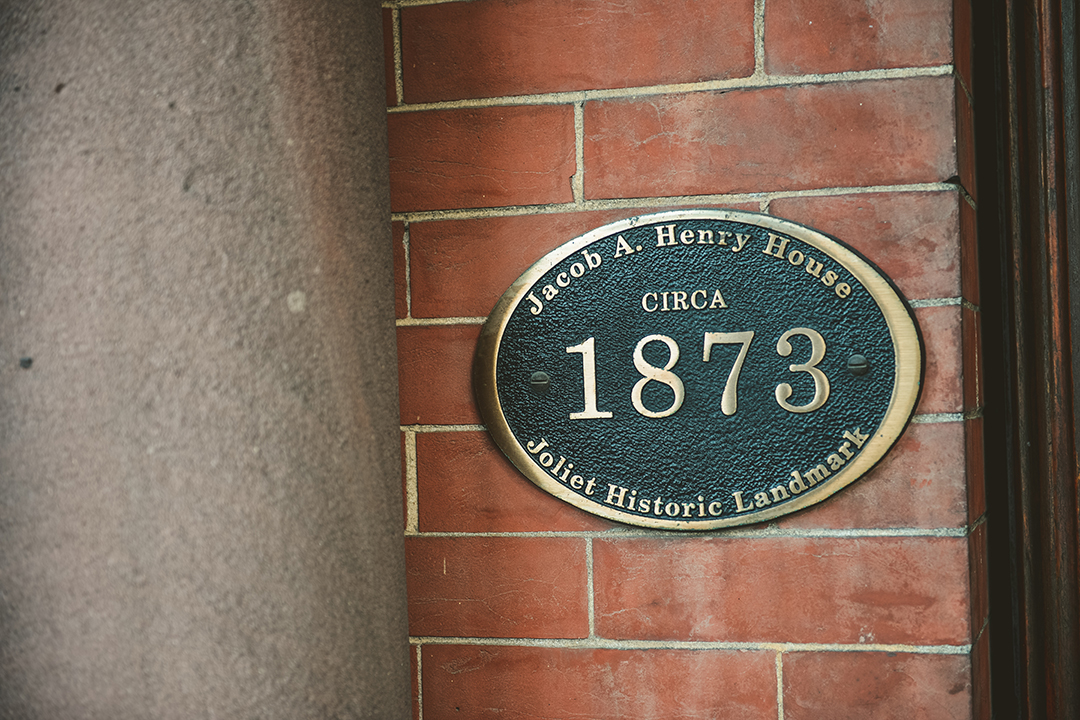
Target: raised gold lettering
x,y
622,247
858,438
817,474
665,231
537,307
776,246
644,302
705,237
686,237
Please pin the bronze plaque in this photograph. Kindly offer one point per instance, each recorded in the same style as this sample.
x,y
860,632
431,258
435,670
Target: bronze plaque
x,y
698,369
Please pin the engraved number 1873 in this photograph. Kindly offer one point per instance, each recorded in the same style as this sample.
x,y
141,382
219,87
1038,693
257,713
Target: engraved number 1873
x,y
729,400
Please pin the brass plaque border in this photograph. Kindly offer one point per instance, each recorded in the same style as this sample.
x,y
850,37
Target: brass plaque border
x,y
899,318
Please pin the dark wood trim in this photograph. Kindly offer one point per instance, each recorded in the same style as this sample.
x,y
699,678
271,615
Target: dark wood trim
x,y
1028,221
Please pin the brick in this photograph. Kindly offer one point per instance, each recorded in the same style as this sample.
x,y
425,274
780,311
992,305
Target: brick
x,y
388,56
969,253
532,587
414,661
434,371
972,331
913,237
401,303
882,686
942,377
481,157
826,36
540,683
465,484
976,473
805,590
919,484
460,268
772,139
493,48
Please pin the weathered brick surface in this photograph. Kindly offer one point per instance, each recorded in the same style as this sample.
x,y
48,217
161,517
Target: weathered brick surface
x,y
882,686
917,484
492,48
414,662
943,375
822,590
467,485
497,587
539,683
434,374
460,268
912,236
481,157
825,36
784,138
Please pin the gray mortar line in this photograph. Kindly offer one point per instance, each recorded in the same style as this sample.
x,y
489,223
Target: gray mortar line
x,y
752,82
609,644
935,302
929,418
412,522
442,428
648,203
399,82
420,322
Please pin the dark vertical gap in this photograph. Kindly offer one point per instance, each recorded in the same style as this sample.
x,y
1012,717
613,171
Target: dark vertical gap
x,y
990,91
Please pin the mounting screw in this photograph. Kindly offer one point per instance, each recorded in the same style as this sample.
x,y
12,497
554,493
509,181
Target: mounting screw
x,y
540,382
858,365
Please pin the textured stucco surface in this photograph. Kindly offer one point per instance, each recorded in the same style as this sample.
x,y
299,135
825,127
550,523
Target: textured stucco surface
x,y
199,475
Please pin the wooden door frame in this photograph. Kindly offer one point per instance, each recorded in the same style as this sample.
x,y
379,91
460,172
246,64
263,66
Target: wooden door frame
x,y
1029,211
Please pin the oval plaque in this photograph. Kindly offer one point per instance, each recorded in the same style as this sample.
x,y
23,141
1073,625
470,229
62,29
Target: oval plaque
x,y
694,370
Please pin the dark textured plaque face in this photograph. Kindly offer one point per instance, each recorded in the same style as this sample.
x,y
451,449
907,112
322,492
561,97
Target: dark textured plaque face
x,y
698,369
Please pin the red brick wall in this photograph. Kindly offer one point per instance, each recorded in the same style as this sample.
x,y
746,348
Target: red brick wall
x,y
516,125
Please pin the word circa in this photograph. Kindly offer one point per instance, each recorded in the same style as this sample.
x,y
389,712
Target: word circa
x,y
694,370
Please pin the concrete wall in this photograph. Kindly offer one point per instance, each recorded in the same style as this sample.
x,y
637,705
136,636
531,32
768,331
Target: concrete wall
x,y
199,497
